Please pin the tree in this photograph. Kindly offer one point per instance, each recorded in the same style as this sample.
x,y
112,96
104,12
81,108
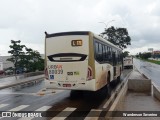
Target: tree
x,y
16,51
145,55
29,60
125,53
117,36
34,60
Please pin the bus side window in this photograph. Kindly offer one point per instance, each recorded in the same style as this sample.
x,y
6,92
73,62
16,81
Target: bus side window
x,y
110,54
104,53
114,58
100,51
96,50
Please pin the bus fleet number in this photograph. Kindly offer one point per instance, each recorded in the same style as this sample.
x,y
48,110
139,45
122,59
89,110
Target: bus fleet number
x,y
55,71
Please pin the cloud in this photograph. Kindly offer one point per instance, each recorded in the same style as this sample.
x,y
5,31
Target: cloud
x,y
26,20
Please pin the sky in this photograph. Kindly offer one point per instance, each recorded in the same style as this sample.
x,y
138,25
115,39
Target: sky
x,y
27,20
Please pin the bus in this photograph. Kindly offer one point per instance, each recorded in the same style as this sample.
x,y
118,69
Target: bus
x,y
128,62
80,60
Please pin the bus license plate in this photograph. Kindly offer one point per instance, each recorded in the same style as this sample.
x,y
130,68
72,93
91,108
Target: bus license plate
x,y
66,85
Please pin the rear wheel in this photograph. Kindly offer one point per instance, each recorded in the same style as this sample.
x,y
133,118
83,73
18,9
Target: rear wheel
x,y
119,77
108,89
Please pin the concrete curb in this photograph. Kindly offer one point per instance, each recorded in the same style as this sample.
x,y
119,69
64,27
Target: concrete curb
x,y
139,85
22,82
156,91
116,104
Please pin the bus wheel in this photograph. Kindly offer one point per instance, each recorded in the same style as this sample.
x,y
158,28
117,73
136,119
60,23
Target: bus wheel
x,y
118,79
108,90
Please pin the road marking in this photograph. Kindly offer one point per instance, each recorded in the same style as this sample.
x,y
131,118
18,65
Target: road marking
x,y
44,108
109,100
3,105
8,93
93,114
66,112
19,108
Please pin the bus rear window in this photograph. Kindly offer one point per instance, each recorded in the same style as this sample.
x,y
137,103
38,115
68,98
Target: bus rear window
x,y
67,57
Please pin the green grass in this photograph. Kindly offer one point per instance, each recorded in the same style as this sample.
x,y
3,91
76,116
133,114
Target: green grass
x,y
152,61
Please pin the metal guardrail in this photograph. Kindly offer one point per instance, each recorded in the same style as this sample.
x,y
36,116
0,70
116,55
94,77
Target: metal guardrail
x,y
21,82
24,75
105,112
33,73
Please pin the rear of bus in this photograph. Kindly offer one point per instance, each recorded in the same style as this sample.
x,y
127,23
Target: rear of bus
x,y
128,62
67,61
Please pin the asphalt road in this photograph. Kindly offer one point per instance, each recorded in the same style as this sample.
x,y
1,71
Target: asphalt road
x,y
150,70
27,99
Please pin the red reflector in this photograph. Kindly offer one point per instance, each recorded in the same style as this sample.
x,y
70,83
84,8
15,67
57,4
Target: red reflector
x,y
89,76
46,74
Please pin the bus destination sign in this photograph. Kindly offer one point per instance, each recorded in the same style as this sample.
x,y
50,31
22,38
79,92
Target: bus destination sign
x,y
76,42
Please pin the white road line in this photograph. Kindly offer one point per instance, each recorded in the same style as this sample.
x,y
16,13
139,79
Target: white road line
x,y
108,101
19,108
8,93
44,108
3,105
92,114
66,112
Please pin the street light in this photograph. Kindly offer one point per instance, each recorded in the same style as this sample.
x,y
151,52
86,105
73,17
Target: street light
x,y
106,27
107,23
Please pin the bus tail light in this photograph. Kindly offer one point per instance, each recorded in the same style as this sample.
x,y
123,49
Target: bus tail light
x,y
46,74
90,73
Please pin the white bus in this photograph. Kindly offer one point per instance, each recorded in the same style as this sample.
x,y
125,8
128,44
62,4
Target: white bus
x,y
128,62
80,60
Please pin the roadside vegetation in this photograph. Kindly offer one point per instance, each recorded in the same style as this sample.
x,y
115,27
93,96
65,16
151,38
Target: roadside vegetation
x,y
154,61
146,56
118,36
24,59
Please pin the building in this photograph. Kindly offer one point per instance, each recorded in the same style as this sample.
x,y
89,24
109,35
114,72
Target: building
x,y
4,63
156,54
1,65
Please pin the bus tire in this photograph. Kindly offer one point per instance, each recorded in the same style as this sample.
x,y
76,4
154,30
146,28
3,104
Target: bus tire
x,y
108,90
118,79
108,78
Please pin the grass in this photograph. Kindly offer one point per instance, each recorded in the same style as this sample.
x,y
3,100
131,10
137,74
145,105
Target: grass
x,y
152,61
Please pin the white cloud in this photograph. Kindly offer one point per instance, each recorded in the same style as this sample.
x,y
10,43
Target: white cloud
x,y
26,20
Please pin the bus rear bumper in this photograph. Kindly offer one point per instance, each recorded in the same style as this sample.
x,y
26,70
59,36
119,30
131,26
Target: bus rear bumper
x,y
87,85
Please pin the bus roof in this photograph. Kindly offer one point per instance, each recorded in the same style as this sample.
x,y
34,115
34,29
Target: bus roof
x,y
67,33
